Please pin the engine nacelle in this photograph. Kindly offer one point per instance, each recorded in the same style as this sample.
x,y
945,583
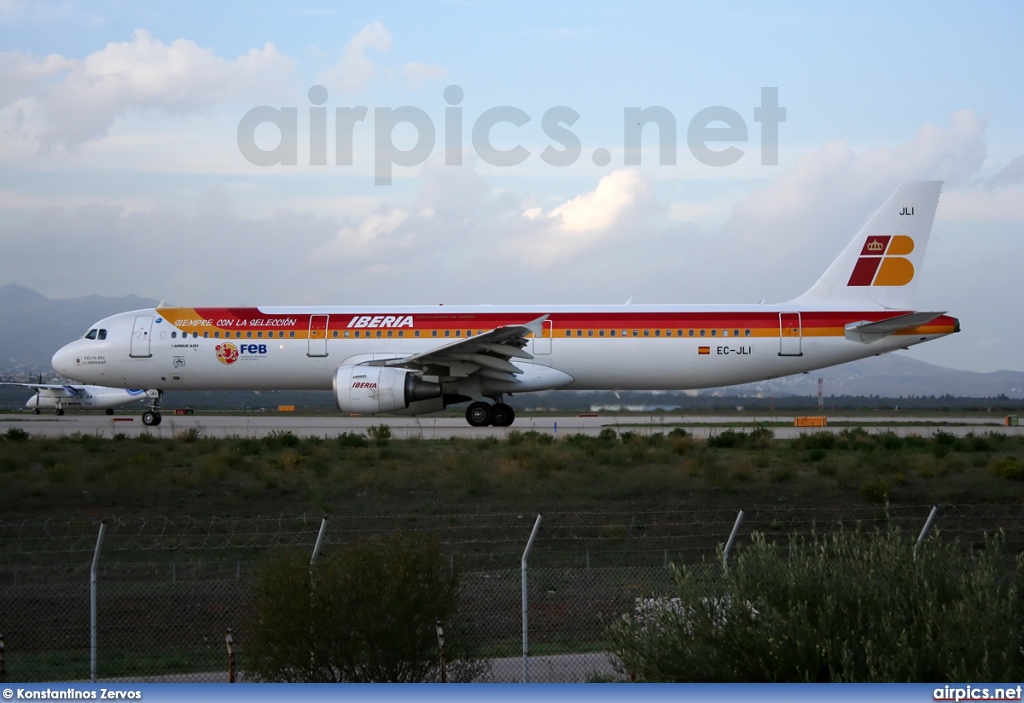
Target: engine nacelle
x,y
378,389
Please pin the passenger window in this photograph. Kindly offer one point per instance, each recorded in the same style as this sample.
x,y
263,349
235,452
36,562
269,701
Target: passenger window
x,y
735,333
668,333
714,333
335,334
647,333
357,333
458,333
91,334
725,333
601,333
447,333
291,334
378,333
248,335
612,333
702,333
174,335
401,333
417,333
206,335
433,333
657,333
390,332
691,333
590,333
216,335
636,333
747,334
259,334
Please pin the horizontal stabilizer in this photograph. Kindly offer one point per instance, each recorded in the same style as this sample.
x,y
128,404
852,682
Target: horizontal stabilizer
x,y
870,331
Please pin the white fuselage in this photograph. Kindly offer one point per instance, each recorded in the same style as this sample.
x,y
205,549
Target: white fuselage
x,y
616,348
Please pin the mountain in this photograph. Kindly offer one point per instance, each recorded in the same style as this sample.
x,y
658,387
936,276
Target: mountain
x,y
890,376
34,327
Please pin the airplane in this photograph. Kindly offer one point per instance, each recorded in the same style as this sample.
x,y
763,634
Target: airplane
x,y
421,359
68,396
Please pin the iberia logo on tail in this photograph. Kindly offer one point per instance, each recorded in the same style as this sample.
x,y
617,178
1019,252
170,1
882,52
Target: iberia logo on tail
x,y
882,262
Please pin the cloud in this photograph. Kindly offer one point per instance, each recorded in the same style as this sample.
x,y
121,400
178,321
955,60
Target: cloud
x,y
78,100
355,70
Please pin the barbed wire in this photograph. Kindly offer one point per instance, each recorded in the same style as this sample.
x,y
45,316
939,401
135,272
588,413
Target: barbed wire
x,y
689,529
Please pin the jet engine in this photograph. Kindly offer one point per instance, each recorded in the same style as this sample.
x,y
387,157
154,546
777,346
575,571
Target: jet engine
x,y
378,389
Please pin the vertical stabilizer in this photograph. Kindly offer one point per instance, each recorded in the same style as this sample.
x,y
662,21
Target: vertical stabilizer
x,y
883,262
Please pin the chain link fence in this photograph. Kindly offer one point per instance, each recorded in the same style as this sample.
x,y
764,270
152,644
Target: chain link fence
x,y
168,591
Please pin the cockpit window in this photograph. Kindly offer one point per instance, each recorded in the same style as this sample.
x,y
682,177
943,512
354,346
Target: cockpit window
x,y
91,334
102,334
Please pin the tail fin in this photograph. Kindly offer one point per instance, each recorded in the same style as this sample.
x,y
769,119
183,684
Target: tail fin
x,y
881,265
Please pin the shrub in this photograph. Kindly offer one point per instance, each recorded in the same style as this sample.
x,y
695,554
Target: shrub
x,y
281,438
876,491
1007,467
16,434
380,434
351,440
366,613
839,608
727,439
761,438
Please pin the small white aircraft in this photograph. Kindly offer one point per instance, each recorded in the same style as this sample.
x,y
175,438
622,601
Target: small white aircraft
x,y
420,359
61,397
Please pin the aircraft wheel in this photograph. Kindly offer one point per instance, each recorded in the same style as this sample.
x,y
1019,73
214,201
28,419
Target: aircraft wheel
x,y
110,411
60,411
36,411
150,418
478,414
502,415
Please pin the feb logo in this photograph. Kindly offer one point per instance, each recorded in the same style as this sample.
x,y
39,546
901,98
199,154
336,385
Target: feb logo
x,y
882,262
227,353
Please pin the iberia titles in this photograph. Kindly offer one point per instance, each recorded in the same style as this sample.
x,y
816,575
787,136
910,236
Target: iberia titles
x,y
361,321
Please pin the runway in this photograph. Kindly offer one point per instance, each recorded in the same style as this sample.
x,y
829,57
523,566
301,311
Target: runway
x,y
260,424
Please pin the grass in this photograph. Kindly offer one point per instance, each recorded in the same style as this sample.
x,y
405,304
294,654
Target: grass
x,y
413,483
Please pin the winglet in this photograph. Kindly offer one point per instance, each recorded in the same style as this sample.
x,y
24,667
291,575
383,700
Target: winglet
x,y
536,327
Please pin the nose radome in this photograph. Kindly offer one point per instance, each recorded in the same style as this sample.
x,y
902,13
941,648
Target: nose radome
x,y
63,361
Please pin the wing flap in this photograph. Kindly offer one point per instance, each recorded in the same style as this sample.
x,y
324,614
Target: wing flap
x,y
491,351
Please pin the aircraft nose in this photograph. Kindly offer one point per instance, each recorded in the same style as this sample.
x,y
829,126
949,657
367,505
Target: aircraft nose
x,y
63,361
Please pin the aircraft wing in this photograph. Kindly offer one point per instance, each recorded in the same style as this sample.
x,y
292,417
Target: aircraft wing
x,y
488,354
54,390
870,331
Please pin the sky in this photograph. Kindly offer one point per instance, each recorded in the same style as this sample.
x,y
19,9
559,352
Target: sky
x,y
483,151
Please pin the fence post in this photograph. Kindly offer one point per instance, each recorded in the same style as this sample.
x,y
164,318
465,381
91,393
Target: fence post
x,y
319,542
440,647
526,629
92,601
230,642
732,540
928,524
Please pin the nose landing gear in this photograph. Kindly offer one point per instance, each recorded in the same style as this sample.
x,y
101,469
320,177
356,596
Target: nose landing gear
x,y
151,418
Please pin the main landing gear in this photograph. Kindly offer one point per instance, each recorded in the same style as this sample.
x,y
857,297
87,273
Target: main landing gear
x,y
480,414
151,418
